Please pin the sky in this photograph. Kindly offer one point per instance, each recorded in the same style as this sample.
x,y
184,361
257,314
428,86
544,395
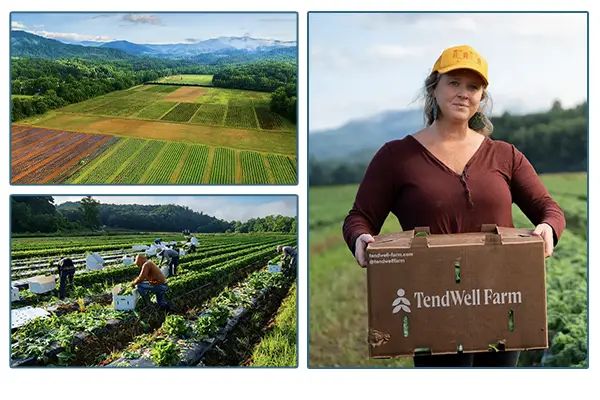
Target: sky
x,y
228,208
156,28
363,64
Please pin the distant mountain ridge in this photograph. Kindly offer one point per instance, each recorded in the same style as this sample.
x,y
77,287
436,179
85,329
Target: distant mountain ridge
x,y
359,140
25,44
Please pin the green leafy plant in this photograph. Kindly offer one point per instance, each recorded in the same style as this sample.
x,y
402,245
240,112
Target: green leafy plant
x,y
165,353
175,325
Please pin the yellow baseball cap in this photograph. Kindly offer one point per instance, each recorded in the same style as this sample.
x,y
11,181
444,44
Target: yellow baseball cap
x,y
462,57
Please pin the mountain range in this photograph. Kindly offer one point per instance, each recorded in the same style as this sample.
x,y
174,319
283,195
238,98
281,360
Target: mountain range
x,y
358,140
25,44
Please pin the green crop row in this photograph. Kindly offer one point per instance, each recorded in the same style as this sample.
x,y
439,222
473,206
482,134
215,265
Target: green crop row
x,y
133,172
284,170
195,165
254,170
183,112
163,168
223,170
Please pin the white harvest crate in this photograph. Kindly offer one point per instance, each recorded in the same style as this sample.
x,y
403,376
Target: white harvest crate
x,y
42,284
274,268
124,302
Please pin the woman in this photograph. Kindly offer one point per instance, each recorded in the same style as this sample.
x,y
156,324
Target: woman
x,y
451,177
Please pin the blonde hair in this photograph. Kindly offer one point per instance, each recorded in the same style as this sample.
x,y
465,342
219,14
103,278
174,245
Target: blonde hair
x,y
478,122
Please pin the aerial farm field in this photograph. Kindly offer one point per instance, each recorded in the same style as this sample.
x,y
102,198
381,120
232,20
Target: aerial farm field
x,y
338,303
204,80
227,308
158,134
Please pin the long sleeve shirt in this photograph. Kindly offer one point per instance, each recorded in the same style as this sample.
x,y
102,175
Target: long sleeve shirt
x,y
406,179
289,251
151,273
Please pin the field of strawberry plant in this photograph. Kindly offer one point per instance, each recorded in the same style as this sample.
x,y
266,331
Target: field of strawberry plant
x,y
337,290
222,295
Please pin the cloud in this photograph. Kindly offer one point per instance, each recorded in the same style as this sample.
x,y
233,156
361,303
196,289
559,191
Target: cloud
x,y
247,34
37,26
418,21
104,16
277,19
344,59
76,37
142,19
191,40
394,52
17,25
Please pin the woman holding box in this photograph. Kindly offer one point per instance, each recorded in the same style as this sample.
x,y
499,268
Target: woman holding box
x,y
452,178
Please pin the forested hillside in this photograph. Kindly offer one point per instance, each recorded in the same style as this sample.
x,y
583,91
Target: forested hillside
x,y
39,214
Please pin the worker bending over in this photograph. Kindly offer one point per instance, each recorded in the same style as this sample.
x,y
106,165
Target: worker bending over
x,y
150,279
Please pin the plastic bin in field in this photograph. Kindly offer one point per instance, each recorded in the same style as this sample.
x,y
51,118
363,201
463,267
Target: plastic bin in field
x,y
14,294
274,268
124,302
93,262
42,284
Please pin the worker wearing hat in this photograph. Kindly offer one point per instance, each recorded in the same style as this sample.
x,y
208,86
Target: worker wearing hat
x,y
452,177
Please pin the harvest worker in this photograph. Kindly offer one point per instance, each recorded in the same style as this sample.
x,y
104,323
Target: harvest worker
x,y
66,272
453,178
150,279
172,257
288,251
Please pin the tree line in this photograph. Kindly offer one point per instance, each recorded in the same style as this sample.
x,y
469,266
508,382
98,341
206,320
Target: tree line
x,y
553,141
263,76
39,214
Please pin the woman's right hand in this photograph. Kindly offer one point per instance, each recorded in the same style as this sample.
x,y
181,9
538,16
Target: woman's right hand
x,y
360,248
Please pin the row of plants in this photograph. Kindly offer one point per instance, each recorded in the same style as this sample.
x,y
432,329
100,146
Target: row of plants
x,y
184,341
40,337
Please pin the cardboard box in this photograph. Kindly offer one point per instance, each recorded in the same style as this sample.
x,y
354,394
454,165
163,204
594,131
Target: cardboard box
x,y
442,294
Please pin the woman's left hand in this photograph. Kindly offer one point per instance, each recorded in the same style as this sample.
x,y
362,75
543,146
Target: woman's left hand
x,y
545,232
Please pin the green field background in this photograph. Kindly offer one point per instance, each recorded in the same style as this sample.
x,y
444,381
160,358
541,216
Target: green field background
x,y
337,285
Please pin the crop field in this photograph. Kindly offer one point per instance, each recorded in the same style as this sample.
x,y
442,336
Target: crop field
x,y
226,308
55,147
156,102
190,79
50,156
337,285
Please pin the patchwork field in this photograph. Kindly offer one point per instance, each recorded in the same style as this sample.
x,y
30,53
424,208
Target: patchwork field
x,y
189,79
54,156
216,119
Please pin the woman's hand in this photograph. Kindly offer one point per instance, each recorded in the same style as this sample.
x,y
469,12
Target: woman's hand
x,y
545,232
360,248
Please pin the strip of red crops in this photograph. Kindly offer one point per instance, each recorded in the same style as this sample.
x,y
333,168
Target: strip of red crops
x,y
26,167
30,137
47,142
19,130
59,165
